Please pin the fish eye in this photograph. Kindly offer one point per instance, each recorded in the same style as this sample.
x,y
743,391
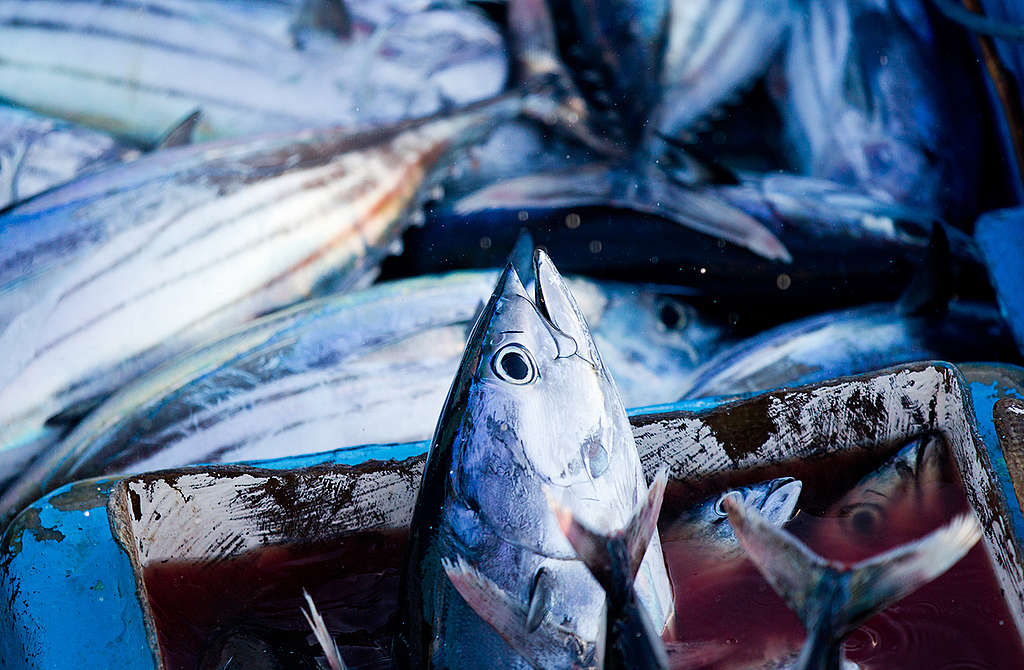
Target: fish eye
x,y
864,519
672,314
719,509
514,364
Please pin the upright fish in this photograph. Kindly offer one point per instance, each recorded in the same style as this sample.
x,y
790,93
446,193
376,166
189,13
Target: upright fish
x,y
832,599
130,67
704,524
872,98
37,153
122,269
532,408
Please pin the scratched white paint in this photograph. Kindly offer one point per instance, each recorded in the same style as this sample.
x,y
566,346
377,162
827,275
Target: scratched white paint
x,y
211,515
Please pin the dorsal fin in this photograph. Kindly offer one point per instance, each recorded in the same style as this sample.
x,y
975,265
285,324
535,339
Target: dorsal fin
x,y
182,133
832,599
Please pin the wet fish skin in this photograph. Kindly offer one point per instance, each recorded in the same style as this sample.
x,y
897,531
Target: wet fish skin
x,y
853,341
714,50
499,442
844,244
614,51
365,367
832,599
706,522
873,98
37,153
128,67
222,232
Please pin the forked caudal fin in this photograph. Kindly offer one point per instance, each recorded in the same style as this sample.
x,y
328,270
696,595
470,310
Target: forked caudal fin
x,y
630,639
614,558
832,599
649,191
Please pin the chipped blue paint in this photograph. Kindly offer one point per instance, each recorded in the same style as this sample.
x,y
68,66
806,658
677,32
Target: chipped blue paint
x,y
1000,237
70,588
989,382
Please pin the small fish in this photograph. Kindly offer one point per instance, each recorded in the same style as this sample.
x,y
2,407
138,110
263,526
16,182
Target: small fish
x,y
122,269
705,523
37,153
853,341
873,99
532,408
366,367
832,599
129,67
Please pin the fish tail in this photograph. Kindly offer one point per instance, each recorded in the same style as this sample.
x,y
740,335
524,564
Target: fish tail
x,y
614,559
833,599
323,636
650,191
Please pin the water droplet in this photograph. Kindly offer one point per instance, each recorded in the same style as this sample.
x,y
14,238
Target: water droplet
x,y
523,215
572,221
596,246
485,242
783,281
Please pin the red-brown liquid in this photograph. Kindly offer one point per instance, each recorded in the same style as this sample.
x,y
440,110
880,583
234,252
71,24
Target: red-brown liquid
x,y
245,613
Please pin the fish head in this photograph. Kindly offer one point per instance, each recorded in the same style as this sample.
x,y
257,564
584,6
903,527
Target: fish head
x,y
707,522
890,504
540,414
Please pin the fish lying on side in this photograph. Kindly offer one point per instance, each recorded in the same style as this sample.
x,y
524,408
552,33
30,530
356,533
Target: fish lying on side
x,y
832,599
835,344
37,153
872,100
705,523
361,368
129,67
843,245
532,409
120,270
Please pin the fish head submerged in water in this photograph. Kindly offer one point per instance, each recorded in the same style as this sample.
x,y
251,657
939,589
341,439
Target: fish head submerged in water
x,y
532,413
706,523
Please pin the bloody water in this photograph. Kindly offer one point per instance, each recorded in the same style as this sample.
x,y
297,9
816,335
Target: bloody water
x,y
245,613
728,617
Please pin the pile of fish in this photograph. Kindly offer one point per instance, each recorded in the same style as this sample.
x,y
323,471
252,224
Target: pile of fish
x,y
234,230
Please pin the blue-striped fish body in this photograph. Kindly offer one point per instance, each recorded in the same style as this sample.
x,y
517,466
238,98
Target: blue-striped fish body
x,y
130,67
120,270
37,153
367,367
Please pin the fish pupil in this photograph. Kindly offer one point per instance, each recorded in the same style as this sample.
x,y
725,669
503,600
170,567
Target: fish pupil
x,y
514,365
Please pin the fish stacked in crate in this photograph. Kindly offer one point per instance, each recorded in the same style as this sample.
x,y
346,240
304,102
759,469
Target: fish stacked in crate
x,y
273,232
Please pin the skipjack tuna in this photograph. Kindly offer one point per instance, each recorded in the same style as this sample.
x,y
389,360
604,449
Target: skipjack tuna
x,y
371,366
532,414
118,271
37,152
137,67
